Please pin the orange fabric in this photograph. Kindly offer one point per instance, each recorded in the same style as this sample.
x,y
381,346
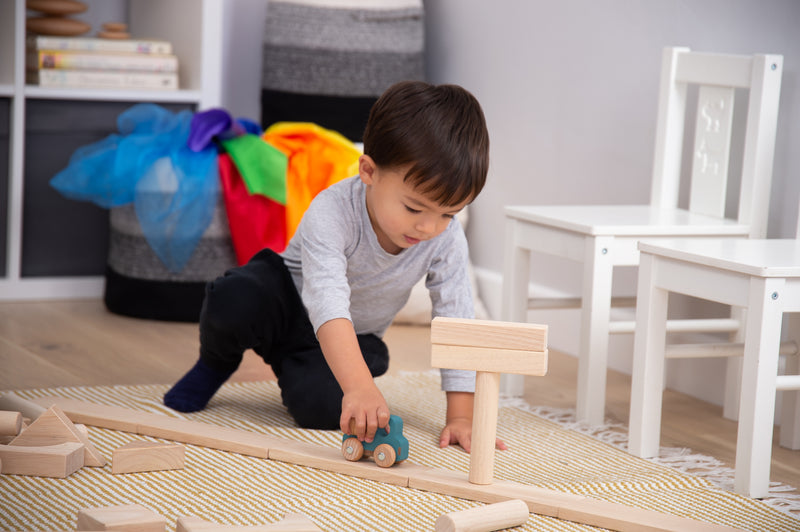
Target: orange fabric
x,y
318,158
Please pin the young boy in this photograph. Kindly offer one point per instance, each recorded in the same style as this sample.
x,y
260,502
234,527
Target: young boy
x,y
317,312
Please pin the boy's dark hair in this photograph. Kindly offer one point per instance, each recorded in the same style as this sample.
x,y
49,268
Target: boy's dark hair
x,y
440,130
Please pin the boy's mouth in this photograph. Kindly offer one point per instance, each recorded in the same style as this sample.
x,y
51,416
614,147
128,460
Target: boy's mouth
x,y
410,240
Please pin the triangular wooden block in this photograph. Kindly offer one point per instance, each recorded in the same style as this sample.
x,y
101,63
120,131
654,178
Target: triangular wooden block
x,y
54,427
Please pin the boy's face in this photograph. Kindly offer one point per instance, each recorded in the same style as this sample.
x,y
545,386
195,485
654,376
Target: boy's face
x,y
400,215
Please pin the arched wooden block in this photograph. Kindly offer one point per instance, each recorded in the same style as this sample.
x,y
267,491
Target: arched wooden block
x,y
57,461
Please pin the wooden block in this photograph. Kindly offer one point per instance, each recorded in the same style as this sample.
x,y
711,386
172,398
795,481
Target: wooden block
x,y
486,359
57,461
487,518
127,517
140,456
15,403
488,333
10,423
289,523
48,25
539,500
54,427
56,7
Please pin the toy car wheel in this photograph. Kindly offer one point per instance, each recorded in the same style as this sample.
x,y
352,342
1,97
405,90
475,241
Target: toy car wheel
x,y
352,449
384,455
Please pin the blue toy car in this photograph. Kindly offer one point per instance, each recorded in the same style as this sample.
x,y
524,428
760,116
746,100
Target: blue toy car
x,y
386,449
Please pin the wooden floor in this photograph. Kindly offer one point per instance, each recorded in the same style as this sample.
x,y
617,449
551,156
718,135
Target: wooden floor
x,y
75,343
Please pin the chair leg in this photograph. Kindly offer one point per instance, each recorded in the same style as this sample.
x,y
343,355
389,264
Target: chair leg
x,y
516,270
759,375
647,382
595,313
733,371
790,410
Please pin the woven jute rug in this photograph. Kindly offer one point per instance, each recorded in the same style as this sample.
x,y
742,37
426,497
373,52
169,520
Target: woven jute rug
x,y
233,489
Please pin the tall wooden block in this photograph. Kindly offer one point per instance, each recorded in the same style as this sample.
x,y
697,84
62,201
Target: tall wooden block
x,y
127,517
140,456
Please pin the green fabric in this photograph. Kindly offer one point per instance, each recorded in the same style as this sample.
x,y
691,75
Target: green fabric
x,y
262,166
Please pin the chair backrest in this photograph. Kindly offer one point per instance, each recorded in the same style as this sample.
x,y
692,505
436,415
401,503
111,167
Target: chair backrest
x,y
718,76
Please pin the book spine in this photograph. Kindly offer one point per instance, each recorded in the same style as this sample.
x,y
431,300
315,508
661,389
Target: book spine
x,y
102,61
86,79
88,44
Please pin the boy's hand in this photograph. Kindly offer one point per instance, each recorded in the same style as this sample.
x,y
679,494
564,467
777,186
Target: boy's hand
x,y
459,431
366,409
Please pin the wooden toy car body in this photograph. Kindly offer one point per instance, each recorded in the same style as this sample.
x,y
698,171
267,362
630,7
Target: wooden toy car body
x,y
387,448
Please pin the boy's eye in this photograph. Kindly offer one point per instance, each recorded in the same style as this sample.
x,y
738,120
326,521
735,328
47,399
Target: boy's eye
x,y
449,216
413,211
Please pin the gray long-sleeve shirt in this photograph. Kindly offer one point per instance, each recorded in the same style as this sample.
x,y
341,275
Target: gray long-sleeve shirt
x,y
341,271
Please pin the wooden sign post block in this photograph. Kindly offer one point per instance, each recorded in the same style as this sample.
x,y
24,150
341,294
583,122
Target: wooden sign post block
x,y
485,518
140,456
489,348
58,461
128,517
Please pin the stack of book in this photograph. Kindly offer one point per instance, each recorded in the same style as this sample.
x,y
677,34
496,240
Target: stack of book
x,y
92,63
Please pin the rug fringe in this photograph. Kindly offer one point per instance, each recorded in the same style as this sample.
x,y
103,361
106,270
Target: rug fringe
x,y
678,458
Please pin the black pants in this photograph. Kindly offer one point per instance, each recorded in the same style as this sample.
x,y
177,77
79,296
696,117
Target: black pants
x,y
256,306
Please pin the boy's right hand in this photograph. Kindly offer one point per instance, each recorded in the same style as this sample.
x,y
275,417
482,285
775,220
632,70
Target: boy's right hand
x,y
364,410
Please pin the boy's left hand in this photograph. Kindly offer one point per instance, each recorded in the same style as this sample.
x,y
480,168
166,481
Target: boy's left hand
x,y
459,431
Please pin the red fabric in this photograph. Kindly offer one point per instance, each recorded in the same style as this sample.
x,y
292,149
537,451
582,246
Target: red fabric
x,y
256,222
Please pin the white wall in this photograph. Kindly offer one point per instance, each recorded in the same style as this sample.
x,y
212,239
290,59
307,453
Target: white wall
x,y
569,89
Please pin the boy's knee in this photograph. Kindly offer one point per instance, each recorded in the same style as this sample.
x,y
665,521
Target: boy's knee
x,y
312,413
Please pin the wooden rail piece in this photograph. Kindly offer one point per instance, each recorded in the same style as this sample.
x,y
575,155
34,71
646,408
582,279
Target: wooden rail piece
x,y
132,517
289,523
53,427
141,456
497,516
567,506
57,461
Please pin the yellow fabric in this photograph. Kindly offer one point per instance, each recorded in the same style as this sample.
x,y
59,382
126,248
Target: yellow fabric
x,y
318,158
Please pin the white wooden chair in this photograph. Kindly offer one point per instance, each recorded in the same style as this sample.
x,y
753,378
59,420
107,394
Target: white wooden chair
x,y
605,236
763,278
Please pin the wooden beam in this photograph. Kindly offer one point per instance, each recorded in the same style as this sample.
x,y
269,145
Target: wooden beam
x,y
489,359
575,508
140,456
58,461
489,333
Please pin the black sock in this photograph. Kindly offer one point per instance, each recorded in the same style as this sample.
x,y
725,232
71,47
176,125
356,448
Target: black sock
x,y
196,388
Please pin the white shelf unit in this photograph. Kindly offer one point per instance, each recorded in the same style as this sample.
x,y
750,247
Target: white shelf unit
x,y
194,27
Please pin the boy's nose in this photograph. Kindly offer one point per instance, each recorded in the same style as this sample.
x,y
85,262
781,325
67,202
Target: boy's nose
x,y
426,225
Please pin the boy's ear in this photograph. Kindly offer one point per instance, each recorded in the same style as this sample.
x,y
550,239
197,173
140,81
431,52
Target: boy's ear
x,y
366,169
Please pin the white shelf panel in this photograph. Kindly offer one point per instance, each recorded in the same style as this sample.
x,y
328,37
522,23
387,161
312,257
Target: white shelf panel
x,y
6,90
116,95
51,288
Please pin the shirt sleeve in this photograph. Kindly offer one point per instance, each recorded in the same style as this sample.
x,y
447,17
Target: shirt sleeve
x,y
325,231
451,295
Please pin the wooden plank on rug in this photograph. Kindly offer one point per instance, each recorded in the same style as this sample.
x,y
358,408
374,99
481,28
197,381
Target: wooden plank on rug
x,y
584,510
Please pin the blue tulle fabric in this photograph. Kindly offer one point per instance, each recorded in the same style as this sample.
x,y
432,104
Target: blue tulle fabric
x,y
174,189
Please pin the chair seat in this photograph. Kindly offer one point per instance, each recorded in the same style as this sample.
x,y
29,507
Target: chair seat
x,y
756,257
626,220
